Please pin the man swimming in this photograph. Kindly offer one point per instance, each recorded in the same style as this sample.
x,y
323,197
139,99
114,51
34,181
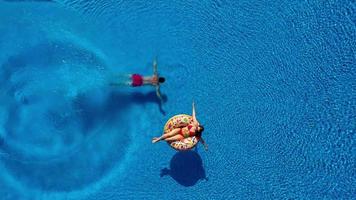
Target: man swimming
x,y
136,80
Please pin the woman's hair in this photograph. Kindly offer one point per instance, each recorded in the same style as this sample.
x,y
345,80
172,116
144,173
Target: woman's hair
x,y
161,79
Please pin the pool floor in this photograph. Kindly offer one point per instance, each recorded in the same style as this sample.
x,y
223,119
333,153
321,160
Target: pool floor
x,y
273,83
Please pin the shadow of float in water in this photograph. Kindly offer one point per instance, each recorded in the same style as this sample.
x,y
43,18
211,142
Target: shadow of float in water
x,y
186,168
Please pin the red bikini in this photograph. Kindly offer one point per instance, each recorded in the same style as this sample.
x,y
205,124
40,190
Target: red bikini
x,y
186,134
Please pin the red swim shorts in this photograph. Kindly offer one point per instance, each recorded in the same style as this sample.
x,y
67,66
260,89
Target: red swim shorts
x,y
137,80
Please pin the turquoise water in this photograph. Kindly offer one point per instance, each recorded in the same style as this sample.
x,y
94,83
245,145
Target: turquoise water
x,y
273,82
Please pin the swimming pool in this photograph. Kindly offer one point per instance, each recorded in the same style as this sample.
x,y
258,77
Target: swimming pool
x,y
273,82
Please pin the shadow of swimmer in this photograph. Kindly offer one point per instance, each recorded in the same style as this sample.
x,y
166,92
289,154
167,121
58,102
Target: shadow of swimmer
x,y
186,168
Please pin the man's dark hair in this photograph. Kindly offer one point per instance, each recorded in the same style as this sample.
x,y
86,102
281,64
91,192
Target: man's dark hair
x,y
161,79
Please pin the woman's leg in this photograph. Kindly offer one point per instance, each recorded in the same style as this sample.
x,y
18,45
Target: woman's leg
x,y
174,138
166,135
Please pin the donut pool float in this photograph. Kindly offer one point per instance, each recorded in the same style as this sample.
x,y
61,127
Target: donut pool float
x,y
178,121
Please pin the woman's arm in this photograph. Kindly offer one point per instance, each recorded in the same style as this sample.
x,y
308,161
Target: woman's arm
x,y
195,121
203,142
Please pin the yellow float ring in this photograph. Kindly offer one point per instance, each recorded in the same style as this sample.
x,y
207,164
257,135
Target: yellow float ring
x,y
176,122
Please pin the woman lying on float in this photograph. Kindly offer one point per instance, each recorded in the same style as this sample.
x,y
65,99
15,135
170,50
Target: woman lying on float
x,y
182,132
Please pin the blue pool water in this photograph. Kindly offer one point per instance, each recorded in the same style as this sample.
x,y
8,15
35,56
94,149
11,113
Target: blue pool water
x,y
273,81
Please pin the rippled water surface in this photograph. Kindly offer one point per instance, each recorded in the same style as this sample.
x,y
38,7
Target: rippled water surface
x,y
273,81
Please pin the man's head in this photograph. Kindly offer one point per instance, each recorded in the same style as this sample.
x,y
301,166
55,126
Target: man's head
x,y
161,79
